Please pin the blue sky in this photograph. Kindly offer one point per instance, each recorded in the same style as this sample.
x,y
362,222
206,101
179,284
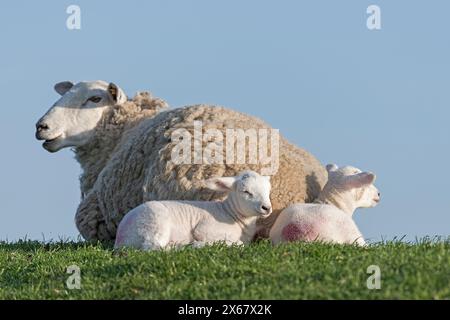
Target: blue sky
x,y
378,100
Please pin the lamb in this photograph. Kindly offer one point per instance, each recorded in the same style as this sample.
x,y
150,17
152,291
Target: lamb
x,y
125,149
329,218
166,224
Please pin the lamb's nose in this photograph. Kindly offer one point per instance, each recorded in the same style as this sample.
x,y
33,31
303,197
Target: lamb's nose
x,y
266,208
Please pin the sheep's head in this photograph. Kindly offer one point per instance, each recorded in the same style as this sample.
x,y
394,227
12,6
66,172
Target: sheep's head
x,y
71,121
249,192
352,185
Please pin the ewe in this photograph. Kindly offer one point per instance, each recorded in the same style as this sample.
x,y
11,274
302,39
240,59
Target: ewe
x,y
125,148
160,224
329,219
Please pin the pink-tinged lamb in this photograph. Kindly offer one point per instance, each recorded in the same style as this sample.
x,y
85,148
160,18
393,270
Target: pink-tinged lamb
x,y
329,218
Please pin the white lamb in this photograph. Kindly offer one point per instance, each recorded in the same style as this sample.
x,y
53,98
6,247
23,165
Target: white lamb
x,y
329,219
162,224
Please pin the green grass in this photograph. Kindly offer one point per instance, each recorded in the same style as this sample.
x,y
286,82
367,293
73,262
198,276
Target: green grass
x,y
33,270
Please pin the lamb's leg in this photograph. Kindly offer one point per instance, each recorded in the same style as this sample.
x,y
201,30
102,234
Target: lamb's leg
x,y
158,238
234,243
198,244
360,242
201,244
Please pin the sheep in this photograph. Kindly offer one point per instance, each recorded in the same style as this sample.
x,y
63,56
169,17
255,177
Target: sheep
x,y
167,224
125,151
329,218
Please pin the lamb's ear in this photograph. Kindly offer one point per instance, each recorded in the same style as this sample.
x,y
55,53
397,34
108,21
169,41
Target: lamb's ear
x,y
224,184
359,180
117,93
331,167
63,87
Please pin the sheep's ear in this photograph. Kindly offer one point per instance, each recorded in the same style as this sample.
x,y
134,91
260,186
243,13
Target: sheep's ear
x,y
331,167
117,93
63,87
359,180
224,184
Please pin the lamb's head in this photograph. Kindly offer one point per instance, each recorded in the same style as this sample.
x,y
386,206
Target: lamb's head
x,y
352,186
71,121
249,192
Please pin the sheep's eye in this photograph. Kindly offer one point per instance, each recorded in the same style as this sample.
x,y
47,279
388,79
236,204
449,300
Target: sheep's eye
x,y
95,99
248,192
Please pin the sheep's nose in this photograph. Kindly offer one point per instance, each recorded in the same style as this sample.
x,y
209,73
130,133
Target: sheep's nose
x,y
41,126
266,208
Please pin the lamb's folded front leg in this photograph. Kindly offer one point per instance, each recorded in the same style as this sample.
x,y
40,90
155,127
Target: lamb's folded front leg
x,y
201,244
360,242
198,244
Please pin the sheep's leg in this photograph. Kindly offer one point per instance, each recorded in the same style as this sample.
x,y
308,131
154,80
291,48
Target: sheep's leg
x,y
90,221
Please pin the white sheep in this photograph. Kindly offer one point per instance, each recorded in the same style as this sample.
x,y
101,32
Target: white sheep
x,y
161,224
329,219
125,151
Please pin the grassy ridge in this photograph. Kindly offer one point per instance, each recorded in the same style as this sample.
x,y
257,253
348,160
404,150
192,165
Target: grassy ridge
x,y
32,270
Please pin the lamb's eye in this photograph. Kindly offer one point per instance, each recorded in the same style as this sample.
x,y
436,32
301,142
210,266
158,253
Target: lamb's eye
x,y
95,99
248,192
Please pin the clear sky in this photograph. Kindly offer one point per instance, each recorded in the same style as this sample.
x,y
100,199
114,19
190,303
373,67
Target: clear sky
x,y
378,100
